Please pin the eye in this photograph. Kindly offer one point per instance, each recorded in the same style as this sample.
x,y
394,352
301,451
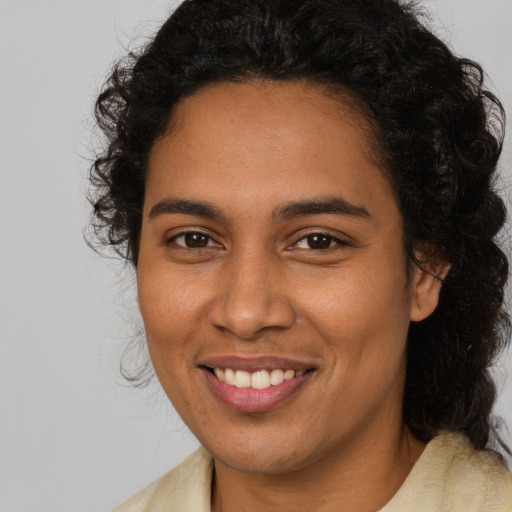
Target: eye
x,y
319,241
193,240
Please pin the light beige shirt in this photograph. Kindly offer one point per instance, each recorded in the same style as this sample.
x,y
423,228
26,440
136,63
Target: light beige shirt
x,y
450,476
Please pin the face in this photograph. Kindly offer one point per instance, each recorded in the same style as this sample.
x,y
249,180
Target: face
x,y
272,276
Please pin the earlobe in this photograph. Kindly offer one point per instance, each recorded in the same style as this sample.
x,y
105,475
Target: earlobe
x,y
427,280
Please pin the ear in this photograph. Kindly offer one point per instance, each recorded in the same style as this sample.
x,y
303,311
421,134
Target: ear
x,y
426,282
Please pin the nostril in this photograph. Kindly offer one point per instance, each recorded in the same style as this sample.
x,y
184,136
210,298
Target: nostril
x,y
250,317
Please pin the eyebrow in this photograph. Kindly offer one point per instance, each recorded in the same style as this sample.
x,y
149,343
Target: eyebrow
x,y
187,207
331,205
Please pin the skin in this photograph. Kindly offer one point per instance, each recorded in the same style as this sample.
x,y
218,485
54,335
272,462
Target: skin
x,y
258,288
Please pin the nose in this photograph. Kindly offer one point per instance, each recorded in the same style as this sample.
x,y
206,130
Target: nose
x,y
251,297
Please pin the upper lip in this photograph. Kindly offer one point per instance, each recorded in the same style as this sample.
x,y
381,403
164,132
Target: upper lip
x,y
252,364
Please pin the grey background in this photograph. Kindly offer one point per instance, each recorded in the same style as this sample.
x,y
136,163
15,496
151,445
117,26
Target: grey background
x,y
73,436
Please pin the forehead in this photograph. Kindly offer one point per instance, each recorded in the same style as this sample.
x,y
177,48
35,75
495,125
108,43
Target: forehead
x,y
267,142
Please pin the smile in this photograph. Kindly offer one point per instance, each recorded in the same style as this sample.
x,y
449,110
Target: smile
x,y
255,385
260,379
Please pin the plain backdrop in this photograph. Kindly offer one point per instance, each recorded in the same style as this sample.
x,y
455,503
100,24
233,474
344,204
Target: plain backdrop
x,y
74,437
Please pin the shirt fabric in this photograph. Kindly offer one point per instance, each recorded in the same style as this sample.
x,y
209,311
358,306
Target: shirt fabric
x,y
449,476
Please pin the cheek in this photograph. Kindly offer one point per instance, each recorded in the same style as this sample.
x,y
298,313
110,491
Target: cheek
x,y
169,320
363,316
166,320
169,301
358,302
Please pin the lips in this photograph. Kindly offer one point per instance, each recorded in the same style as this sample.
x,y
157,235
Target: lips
x,y
260,379
255,384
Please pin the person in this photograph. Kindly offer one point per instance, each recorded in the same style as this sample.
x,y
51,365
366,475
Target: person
x,y
305,189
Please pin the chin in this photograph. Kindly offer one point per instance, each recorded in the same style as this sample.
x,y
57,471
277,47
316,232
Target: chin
x,y
268,465
261,456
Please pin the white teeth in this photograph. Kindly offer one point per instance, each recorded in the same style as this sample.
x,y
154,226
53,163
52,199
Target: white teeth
x,y
289,374
229,376
260,379
242,379
276,377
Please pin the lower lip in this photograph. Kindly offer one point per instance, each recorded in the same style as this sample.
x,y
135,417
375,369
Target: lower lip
x,y
254,400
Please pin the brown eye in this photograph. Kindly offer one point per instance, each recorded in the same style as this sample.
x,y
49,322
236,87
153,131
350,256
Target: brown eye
x,y
193,240
319,241
196,240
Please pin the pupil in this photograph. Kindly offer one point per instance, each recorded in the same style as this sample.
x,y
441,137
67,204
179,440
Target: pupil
x,y
196,240
319,242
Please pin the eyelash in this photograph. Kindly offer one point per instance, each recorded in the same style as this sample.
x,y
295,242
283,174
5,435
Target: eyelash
x,y
332,240
184,234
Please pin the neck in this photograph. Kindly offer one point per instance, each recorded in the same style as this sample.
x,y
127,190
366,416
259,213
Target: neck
x,y
363,476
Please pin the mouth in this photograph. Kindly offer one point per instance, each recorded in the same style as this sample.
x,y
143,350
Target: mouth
x,y
255,385
259,379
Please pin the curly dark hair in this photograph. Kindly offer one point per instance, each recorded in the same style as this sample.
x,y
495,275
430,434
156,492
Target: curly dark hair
x,y
439,132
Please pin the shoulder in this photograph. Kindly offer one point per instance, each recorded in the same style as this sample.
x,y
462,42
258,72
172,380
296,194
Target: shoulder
x,y
184,488
452,475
